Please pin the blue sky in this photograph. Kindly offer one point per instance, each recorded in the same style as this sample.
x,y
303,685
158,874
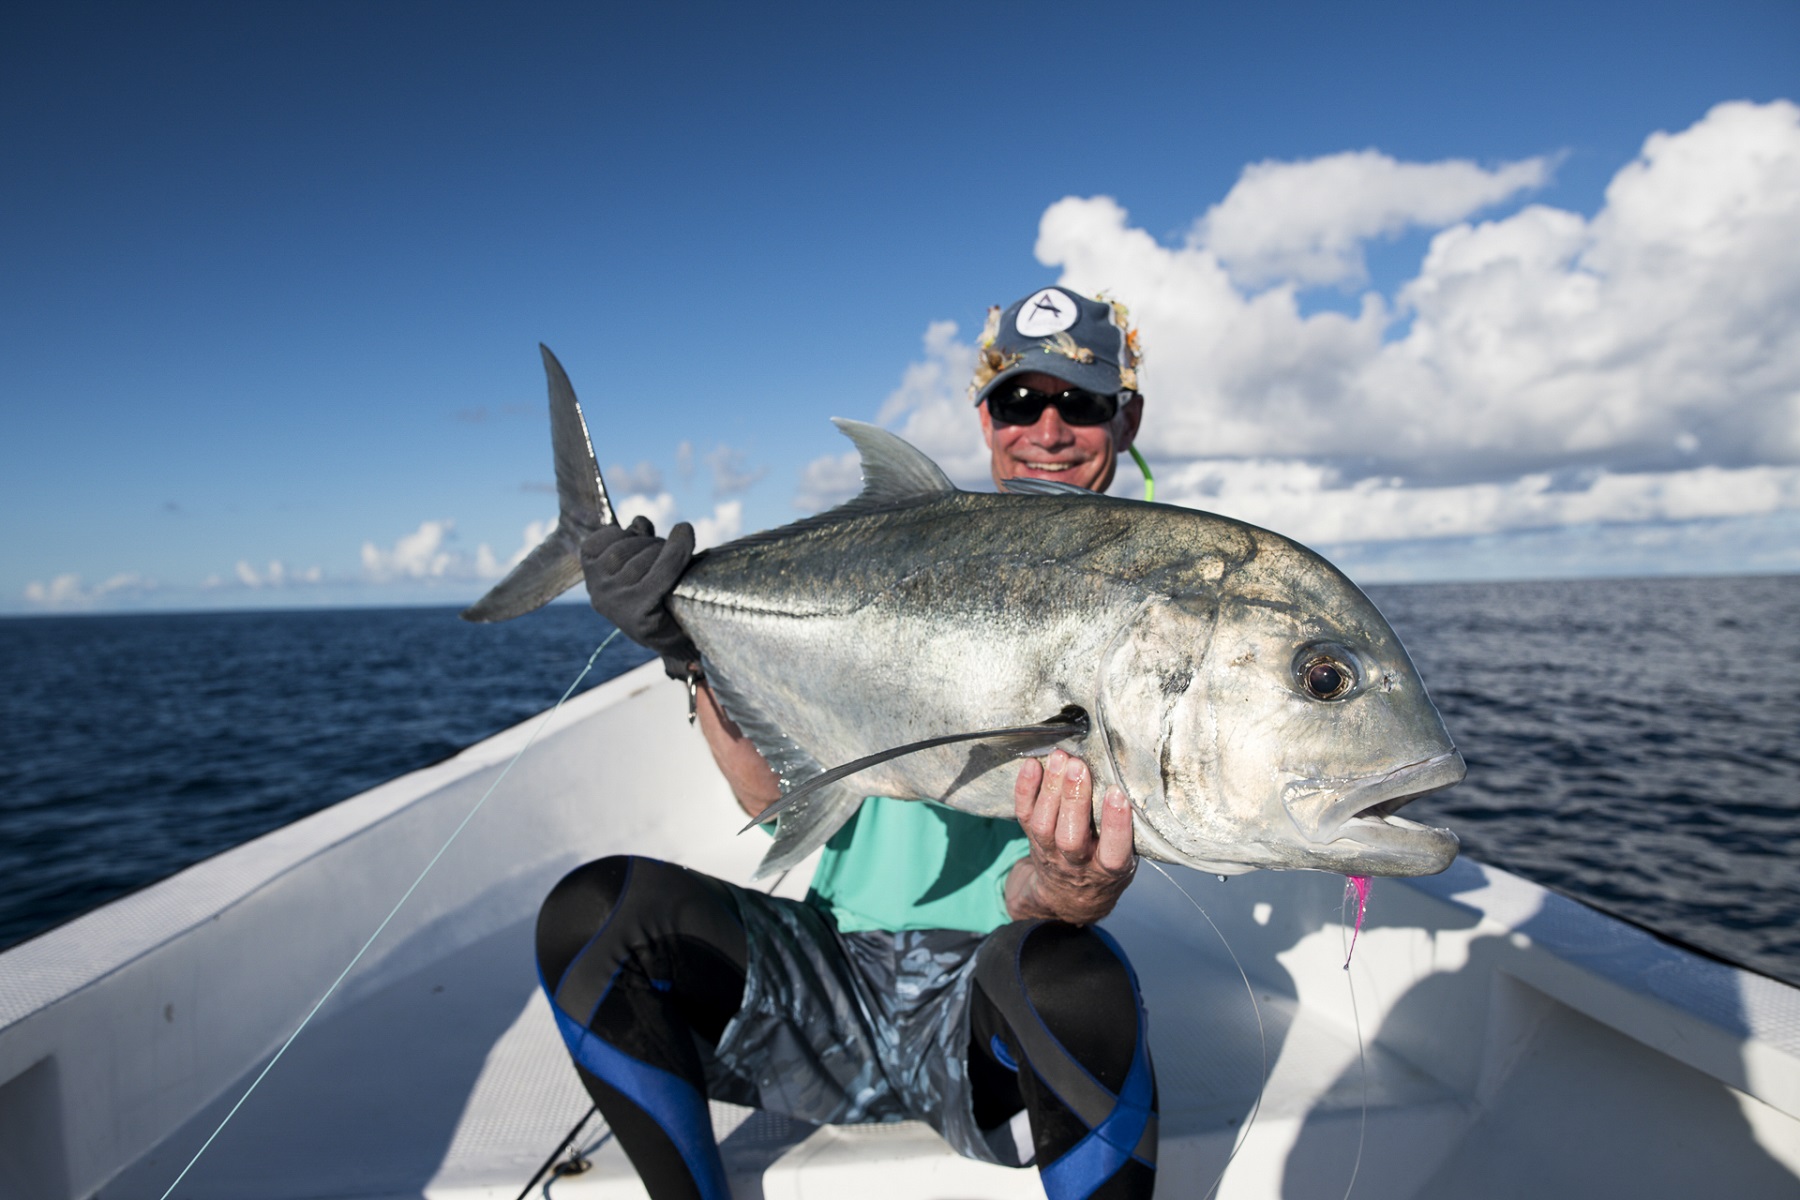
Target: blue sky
x,y
274,275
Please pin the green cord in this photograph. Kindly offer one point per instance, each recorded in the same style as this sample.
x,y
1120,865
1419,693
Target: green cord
x,y
1149,479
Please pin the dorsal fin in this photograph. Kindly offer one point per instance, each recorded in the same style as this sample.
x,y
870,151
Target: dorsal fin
x,y
894,471
1043,487
895,474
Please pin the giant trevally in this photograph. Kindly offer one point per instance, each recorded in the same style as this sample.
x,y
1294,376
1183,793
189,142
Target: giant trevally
x,y
1253,704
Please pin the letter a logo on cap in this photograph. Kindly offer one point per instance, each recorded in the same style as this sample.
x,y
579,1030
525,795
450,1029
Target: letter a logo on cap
x,y
1046,312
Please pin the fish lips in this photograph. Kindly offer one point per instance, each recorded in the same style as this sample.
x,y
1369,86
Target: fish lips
x,y
1353,818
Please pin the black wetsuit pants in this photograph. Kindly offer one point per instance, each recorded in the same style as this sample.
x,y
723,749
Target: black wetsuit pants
x,y
645,965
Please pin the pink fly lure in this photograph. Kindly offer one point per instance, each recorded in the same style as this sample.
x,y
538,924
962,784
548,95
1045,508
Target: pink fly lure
x,y
1358,886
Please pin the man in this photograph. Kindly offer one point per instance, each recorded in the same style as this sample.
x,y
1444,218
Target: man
x,y
944,967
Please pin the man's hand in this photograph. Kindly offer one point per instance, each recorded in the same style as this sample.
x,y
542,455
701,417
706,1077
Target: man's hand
x,y
1072,873
630,573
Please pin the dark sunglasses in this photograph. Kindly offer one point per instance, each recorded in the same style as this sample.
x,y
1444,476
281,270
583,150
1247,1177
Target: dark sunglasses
x,y
1019,405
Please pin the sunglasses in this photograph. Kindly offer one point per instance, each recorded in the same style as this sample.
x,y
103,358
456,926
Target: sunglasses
x,y
1020,405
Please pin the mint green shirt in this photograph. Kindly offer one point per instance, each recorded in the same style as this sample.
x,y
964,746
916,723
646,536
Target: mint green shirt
x,y
912,864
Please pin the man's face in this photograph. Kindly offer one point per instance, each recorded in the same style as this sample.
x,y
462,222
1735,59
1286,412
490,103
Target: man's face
x,y
1050,448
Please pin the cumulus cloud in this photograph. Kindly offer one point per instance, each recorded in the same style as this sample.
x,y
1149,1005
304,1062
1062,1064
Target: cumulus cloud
x,y
428,554
731,475
725,523
644,478
829,481
421,554
930,409
1306,222
275,575
1542,368
1312,503
489,566
66,593
1657,334
660,508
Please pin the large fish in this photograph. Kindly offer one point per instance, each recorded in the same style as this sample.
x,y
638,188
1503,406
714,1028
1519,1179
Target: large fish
x,y
1249,699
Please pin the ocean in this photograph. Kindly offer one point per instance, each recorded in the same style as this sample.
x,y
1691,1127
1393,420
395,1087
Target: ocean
x,y
1631,743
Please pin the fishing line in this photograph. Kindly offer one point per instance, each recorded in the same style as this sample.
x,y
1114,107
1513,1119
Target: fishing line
x,y
592,659
556,1153
606,1131
579,1163
1357,885
1261,1033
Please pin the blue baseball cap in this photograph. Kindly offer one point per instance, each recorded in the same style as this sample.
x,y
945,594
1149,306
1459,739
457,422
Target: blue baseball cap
x,y
1087,342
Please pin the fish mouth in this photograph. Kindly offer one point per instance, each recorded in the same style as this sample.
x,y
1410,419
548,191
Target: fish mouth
x,y
1387,845
1331,810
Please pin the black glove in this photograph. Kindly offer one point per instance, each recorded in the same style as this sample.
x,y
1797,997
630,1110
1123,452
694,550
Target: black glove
x,y
630,573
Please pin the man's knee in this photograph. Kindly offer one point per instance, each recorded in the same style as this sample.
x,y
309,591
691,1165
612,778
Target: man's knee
x,y
627,905
577,908
1073,979
1057,963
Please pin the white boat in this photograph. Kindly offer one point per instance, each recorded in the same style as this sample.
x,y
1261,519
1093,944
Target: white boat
x,y
1513,1042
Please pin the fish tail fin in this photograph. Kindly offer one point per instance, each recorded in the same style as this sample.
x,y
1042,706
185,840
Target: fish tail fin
x,y
583,506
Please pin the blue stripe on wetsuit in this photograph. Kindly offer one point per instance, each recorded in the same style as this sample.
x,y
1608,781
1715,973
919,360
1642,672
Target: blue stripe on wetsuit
x,y
670,1101
1097,1157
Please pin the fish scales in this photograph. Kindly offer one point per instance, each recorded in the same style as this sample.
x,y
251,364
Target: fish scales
x,y
929,635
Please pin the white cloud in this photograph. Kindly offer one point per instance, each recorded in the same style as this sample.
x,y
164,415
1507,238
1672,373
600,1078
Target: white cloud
x,y
421,554
829,481
1306,222
1658,334
427,555
725,523
643,478
660,508
1542,369
730,475
1314,505
66,593
488,566
930,409
276,575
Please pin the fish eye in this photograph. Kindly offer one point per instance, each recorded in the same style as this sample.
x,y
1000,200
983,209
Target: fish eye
x,y
1326,672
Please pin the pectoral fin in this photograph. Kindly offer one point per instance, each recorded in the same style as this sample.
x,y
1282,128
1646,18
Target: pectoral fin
x,y
1071,722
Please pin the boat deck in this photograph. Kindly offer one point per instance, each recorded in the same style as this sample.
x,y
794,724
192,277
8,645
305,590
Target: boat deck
x,y
1513,1042
451,1082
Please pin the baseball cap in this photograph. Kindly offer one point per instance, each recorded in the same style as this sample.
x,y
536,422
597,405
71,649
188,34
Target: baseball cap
x,y
1088,342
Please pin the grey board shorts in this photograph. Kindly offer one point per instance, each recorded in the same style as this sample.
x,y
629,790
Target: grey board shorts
x,y
852,1028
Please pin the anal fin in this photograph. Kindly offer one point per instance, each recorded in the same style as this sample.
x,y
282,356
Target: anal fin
x,y
808,825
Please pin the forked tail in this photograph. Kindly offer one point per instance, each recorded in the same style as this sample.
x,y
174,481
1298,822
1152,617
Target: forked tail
x,y
555,565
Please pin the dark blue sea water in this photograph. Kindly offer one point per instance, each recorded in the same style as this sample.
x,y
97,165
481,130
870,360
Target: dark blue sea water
x,y
1630,742
133,746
